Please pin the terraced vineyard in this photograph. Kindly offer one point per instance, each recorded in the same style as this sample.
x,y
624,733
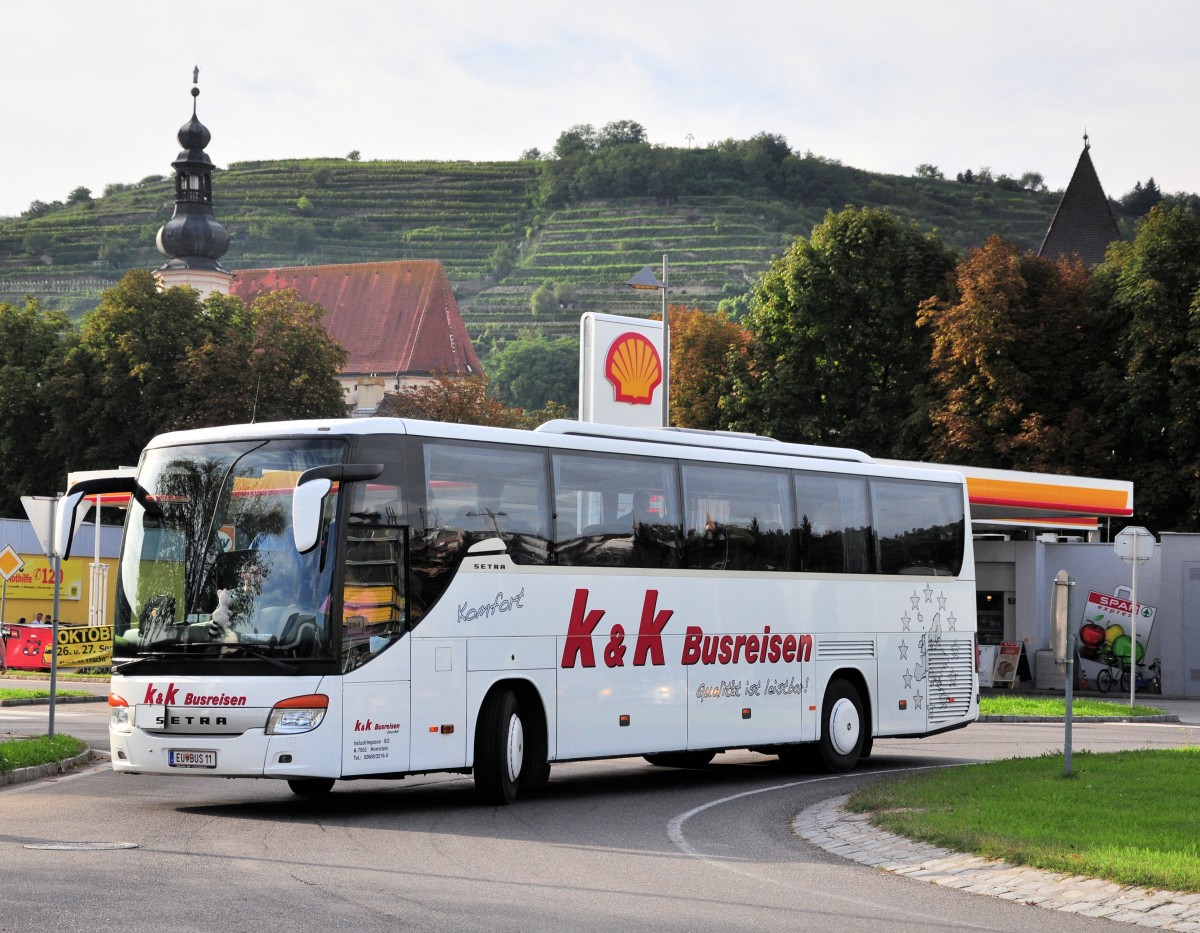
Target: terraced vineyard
x,y
484,223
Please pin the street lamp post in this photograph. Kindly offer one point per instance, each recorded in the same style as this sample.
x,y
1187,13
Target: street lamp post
x,y
647,280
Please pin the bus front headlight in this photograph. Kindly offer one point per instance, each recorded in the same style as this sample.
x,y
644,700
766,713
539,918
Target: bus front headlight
x,y
120,715
297,714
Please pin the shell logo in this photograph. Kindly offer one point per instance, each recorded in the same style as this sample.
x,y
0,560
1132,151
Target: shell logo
x,y
634,368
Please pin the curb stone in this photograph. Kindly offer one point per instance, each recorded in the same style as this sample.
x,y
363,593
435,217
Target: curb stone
x,y
1164,717
45,701
50,769
830,826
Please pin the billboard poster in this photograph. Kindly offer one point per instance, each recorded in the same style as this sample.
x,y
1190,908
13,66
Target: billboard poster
x,y
1105,640
35,580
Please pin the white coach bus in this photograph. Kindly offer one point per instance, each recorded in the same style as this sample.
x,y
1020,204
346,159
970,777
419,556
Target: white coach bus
x,y
373,598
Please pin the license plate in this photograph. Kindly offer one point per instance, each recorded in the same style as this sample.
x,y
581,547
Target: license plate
x,y
186,758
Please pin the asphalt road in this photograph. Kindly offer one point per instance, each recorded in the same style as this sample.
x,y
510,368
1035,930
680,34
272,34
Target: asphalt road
x,y
611,845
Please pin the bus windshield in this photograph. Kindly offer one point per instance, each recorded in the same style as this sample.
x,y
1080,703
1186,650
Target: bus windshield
x,y
209,567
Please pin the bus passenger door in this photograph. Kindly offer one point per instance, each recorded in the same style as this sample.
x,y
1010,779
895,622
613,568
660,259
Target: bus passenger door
x,y
439,703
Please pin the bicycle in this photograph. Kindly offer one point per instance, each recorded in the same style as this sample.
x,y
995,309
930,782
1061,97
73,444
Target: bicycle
x,y
1106,678
1150,684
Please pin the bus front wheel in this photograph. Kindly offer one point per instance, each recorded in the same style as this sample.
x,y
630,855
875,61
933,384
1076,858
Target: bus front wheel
x,y
500,749
842,727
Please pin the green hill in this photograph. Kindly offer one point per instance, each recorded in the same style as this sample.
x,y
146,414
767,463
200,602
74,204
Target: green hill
x,y
501,229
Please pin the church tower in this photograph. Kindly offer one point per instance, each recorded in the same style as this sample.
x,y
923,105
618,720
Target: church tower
x,y
193,240
1083,224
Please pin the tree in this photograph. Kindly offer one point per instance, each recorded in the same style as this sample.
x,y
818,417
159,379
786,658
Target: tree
x,y
354,155
1138,200
453,400
1147,292
578,140
701,346
148,361
531,373
32,342
271,361
543,301
119,384
1012,351
80,195
926,170
620,133
1033,181
835,356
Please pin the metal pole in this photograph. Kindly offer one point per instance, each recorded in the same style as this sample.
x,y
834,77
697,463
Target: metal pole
x,y
666,394
54,644
1069,717
54,621
1133,614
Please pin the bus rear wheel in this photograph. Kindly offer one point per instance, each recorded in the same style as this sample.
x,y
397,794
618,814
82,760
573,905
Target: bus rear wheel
x,y
842,727
502,765
310,787
697,759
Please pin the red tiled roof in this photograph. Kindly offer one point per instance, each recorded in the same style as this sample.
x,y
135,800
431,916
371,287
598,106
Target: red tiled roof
x,y
392,317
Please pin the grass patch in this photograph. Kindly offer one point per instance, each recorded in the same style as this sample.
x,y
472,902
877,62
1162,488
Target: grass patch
x,y
1049,706
18,693
38,750
1129,817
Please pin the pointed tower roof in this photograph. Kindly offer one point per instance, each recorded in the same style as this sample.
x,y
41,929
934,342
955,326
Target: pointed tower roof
x,y
1083,223
193,238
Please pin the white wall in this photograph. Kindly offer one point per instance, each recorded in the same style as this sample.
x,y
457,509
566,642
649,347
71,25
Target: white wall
x,y
1169,581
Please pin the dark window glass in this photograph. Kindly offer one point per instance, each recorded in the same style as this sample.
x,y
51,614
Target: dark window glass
x,y
920,526
737,518
473,492
376,608
615,511
834,527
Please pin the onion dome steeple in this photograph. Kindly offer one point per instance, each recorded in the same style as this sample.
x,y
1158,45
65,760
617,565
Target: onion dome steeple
x,y
193,238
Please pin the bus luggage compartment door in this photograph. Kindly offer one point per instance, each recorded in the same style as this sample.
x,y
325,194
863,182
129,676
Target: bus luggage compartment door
x,y
439,704
375,719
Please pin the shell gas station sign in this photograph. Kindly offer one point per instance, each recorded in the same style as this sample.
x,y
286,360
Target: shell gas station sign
x,y
622,378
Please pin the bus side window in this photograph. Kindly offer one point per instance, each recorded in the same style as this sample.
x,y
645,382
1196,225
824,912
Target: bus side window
x,y
473,492
598,523
833,524
920,526
738,518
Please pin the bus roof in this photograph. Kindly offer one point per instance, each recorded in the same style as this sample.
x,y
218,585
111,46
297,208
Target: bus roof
x,y
692,437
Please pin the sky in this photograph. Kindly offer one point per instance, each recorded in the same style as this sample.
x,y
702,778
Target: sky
x,y
94,93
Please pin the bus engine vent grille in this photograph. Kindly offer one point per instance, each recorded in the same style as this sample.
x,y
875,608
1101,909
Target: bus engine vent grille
x,y
846,649
951,680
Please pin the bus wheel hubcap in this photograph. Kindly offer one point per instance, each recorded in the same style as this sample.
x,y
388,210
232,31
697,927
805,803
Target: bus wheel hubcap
x,y
516,747
843,726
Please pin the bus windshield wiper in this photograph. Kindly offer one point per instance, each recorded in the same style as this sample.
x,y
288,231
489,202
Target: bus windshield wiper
x,y
244,649
254,653
151,656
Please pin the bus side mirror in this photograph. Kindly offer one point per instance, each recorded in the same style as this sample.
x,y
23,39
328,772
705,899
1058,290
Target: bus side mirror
x,y
309,497
68,506
64,523
307,504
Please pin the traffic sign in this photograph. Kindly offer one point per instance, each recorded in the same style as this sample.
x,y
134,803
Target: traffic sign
x,y
1134,543
10,562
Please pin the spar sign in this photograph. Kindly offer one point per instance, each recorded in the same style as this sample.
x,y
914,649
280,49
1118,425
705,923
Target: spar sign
x,y
1105,641
83,646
